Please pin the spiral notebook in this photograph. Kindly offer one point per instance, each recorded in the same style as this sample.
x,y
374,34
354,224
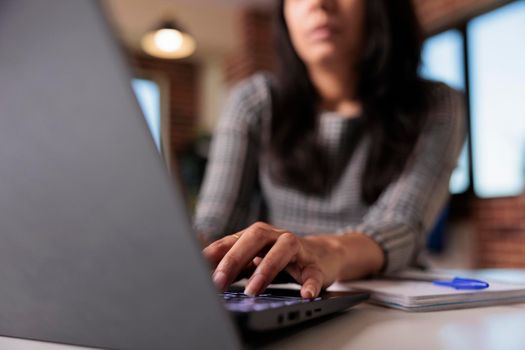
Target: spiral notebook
x,y
414,291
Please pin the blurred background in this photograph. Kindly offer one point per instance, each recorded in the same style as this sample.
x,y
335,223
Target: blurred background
x,y
182,75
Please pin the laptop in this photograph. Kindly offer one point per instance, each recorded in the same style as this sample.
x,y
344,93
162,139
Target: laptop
x,y
96,247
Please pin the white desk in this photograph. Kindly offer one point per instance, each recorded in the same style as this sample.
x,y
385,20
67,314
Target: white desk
x,y
372,327
368,327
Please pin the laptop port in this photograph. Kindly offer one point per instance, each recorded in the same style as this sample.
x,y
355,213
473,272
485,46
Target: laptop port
x,y
308,313
293,315
280,319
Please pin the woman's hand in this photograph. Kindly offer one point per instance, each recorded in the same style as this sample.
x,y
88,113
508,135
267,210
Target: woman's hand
x,y
314,261
280,250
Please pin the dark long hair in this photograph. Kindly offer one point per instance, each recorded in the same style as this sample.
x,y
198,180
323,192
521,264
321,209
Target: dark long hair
x,y
393,98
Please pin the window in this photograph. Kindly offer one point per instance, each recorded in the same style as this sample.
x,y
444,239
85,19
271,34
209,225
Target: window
x,y
148,96
497,71
443,61
493,76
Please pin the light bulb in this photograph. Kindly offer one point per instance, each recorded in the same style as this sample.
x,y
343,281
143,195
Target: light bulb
x,y
168,40
168,43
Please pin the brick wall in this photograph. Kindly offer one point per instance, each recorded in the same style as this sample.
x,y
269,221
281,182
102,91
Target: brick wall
x,y
256,49
499,232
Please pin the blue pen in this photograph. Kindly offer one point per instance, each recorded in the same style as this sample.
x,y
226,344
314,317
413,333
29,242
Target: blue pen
x,y
462,283
459,283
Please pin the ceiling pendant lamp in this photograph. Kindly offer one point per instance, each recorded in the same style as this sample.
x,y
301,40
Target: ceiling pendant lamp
x,y
168,41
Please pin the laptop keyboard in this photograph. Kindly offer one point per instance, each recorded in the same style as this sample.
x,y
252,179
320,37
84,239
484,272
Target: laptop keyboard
x,y
240,302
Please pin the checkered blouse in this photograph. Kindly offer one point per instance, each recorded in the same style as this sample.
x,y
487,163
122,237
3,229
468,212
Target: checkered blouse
x,y
237,182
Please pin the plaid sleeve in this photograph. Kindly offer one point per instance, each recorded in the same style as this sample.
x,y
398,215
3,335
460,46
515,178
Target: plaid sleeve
x,y
408,208
225,199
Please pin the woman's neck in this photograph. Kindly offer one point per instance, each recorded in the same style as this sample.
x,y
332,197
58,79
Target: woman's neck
x,y
337,88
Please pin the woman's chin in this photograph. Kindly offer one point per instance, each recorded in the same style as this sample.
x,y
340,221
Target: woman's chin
x,y
324,56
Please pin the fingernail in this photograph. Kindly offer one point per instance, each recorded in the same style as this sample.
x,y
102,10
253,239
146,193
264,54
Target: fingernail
x,y
309,293
254,285
219,278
